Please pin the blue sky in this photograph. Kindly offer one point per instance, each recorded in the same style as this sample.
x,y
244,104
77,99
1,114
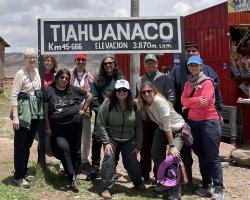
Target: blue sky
x,y
18,18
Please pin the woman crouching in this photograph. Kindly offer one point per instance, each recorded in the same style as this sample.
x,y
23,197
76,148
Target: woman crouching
x,y
119,123
170,124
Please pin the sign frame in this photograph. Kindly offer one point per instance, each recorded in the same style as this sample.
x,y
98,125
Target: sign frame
x,y
172,21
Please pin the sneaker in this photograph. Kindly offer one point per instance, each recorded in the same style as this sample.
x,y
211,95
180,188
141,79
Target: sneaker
x,y
29,177
93,174
140,187
160,188
22,183
217,195
86,166
106,195
174,193
203,191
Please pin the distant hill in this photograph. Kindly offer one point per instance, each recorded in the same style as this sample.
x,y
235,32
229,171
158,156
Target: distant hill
x,y
15,61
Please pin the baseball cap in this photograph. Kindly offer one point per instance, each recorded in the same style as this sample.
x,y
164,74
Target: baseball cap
x,y
194,59
83,56
121,84
150,56
168,173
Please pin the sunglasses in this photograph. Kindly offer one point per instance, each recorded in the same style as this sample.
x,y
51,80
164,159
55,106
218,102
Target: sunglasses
x,y
80,59
144,92
108,63
62,77
122,90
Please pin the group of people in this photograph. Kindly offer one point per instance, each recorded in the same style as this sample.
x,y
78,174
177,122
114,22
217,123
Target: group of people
x,y
150,123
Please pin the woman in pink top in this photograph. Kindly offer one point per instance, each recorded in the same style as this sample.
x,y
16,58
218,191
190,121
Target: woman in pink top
x,y
50,68
198,97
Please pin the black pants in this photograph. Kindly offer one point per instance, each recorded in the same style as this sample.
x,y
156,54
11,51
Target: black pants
x,y
149,128
23,140
186,156
66,145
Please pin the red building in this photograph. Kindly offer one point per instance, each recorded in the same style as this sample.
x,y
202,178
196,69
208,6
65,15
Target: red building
x,y
215,31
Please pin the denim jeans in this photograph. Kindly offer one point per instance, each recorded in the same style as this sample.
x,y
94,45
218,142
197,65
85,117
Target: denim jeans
x,y
207,136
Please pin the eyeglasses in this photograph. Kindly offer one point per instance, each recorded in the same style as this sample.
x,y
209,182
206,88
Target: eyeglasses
x,y
122,90
144,92
108,63
62,77
80,59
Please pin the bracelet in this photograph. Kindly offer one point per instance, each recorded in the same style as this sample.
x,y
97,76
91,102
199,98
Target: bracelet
x,y
171,145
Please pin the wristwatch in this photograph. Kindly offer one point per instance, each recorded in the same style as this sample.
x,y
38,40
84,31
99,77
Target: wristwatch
x,y
171,145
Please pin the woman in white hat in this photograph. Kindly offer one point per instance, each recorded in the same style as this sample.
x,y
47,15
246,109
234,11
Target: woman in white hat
x,y
119,124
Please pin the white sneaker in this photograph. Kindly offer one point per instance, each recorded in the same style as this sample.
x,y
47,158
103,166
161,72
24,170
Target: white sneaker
x,y
61,169
29,177
22,183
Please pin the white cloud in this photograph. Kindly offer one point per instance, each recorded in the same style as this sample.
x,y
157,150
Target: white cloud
x,y
18,24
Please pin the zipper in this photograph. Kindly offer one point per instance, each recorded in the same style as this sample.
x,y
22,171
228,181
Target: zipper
x,y
122,125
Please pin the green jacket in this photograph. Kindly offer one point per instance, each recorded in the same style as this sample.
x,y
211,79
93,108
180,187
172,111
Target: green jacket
x,y
29,109
118,124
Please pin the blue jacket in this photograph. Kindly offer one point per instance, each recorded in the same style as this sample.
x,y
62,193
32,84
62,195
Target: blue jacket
x,y
207,70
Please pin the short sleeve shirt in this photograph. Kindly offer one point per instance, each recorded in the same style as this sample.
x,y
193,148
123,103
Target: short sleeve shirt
x,y
64,105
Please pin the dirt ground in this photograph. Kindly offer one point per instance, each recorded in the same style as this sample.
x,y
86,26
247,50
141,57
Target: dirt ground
x,y
236,178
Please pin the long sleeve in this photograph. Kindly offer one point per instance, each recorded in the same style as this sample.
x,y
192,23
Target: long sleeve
x,y
96,97
101,123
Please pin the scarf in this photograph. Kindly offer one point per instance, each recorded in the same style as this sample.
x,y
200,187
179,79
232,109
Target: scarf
x,y
196,81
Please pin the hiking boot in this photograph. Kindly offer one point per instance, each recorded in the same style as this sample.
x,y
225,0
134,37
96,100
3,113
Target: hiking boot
x,y
106,195
22,183
203,191
160,188
29,177
217,195
140,187
174,193
73,182
93,174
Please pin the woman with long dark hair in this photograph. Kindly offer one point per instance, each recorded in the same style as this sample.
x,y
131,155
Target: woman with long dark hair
x,y
102,86
63,120
119,124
